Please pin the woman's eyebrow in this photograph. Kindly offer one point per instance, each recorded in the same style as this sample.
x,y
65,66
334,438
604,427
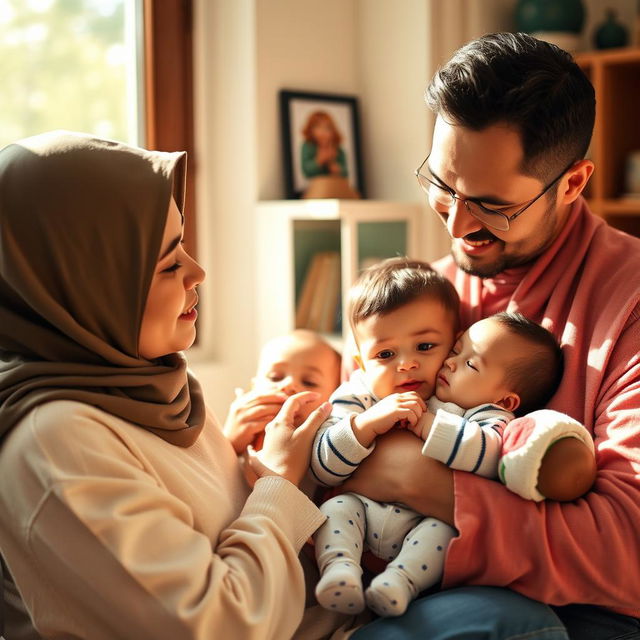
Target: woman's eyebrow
x,y
172,245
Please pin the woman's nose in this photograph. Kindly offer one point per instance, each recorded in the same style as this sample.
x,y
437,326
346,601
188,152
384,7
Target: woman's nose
x,y
195,275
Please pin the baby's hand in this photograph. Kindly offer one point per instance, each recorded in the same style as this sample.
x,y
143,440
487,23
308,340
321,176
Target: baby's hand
x,y
398,408
423,426
248,416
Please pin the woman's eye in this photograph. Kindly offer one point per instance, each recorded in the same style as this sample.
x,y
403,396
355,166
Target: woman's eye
x,y
426,346
471,365
385,355
173,267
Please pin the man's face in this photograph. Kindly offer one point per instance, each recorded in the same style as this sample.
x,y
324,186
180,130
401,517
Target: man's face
x,y
485,166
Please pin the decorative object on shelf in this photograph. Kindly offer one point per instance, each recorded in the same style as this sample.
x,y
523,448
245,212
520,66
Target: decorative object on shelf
x,y
632,175
330,187
556,21
321,139
610,33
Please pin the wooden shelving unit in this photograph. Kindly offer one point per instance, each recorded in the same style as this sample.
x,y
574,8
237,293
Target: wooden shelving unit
x,y
615,75
290,232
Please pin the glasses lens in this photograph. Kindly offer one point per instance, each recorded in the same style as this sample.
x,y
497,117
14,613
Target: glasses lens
x,y
494,220
436,194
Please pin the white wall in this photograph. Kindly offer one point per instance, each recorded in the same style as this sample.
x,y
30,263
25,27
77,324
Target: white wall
x,y
384,52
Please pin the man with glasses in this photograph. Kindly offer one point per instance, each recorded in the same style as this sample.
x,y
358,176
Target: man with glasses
x,y
505,175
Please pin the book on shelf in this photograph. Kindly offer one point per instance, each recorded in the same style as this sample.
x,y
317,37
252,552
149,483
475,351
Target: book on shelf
x,y
320,293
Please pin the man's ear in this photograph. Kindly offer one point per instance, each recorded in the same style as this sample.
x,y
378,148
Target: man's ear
x,y
510,402
358,360
575,181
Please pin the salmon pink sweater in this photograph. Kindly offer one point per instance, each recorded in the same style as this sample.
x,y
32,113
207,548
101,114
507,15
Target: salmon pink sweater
x,y
586,290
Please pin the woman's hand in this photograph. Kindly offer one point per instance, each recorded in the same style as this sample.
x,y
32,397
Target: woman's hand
x,y
396,471
286,450
248,416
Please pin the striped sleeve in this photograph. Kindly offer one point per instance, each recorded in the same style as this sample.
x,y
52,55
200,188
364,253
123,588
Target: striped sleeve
x,y
336,451
471,442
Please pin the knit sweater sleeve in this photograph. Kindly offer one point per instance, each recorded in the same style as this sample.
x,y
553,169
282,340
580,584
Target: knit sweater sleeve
x,y
336,452
467,440
573,552
103,547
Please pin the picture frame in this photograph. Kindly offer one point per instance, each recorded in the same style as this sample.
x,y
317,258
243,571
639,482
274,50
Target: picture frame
x,y
303,113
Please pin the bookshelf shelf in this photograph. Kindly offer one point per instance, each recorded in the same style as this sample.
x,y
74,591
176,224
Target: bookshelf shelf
x,y
293,235
615,75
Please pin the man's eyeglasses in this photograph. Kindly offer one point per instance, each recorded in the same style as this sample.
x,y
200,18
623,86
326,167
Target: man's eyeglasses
x,y
440,194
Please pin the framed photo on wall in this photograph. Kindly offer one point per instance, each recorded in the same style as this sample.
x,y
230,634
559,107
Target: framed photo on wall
x,y
320,137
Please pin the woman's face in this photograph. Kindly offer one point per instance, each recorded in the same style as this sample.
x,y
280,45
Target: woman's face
x,y
168,323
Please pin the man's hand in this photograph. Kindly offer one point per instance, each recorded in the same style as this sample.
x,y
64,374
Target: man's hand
x,y
396,471
403,409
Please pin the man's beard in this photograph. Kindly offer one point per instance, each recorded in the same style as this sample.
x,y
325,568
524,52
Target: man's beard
x,y
504,262
469,265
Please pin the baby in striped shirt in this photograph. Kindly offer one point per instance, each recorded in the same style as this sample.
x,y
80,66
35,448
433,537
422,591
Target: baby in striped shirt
x,y
457,395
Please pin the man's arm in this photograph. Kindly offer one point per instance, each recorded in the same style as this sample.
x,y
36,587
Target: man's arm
x,y
397,471
555,552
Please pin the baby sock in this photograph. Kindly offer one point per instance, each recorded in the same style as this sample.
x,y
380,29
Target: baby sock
x,y
340,587
390,592
419,565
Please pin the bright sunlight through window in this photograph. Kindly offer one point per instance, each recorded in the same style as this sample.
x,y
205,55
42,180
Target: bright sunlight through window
x,y
71,64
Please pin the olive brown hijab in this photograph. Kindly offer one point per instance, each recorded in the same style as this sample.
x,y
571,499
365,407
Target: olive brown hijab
x,y
81,223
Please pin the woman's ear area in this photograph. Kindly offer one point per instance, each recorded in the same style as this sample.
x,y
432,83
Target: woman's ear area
x,y
575,181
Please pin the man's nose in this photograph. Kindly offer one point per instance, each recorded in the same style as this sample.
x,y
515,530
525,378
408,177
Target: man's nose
x,y
459,221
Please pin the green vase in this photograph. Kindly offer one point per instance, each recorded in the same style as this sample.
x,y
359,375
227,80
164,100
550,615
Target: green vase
x,y
532,16
610,33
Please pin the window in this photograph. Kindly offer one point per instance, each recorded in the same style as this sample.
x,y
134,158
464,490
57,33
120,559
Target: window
x,y
120,69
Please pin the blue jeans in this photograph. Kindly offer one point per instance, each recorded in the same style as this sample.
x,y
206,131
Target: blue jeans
x,y
492,613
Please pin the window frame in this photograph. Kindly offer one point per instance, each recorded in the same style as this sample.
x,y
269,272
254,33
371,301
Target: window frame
x,y
169,91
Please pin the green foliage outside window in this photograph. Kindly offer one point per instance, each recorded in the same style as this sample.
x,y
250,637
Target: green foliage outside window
x,y
64,65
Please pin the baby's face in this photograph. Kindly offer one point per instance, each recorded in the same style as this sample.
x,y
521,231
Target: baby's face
x,y
476,370
403,350
295,363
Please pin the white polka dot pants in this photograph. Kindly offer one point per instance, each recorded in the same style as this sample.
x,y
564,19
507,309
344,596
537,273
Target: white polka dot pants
x,y
417,546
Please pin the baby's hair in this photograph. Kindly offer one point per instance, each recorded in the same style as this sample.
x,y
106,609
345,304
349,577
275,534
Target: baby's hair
x,y
536,375
395,282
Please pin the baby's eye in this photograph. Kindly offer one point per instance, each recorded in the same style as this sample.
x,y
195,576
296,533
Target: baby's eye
x,y
471,365
310,383
274,377
385,355
426,346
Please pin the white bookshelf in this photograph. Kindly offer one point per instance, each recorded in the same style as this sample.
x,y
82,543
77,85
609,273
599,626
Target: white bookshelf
x,y
290,232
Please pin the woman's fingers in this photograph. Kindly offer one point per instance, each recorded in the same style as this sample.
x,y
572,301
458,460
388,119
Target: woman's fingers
x,y
293,405
311,425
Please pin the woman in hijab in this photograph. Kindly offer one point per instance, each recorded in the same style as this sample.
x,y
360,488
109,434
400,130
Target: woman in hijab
x,y
123,510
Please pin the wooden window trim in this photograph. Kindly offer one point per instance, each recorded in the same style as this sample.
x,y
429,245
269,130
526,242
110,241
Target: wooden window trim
x,y
169,126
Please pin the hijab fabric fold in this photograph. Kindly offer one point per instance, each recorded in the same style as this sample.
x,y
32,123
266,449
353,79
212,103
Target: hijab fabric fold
x,y
81,223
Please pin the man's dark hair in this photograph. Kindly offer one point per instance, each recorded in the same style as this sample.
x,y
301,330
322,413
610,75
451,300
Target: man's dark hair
x,y
536,375
534,86
395,282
